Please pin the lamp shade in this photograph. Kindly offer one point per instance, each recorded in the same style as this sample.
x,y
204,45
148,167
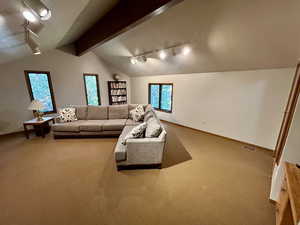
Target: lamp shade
x,y
36,105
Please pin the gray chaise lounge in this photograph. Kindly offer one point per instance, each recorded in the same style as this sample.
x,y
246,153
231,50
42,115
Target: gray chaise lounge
x,y
115,120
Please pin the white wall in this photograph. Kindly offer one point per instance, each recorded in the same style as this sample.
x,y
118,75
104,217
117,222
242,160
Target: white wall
x,y
244,105
291,153
67,78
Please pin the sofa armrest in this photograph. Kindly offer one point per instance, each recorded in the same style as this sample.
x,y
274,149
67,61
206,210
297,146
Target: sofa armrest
x,y
143,151
143,140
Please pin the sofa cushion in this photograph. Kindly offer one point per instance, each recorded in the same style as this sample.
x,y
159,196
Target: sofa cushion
x,y
91,125
153,128
117,124
97,112
137,114
67,127
81,111
131,107
118,112
131,122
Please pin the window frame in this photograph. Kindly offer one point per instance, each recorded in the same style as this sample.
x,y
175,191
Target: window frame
x,y
98,89
160,96
29,88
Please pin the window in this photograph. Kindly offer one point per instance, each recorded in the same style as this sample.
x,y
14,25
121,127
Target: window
x,y
91,89
161,96
40,88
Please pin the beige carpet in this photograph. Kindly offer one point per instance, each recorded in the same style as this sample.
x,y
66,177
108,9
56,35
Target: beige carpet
x,y
206,180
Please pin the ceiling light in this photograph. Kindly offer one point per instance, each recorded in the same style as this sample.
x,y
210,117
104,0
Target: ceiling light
x,y
186,50
162,55
38,8
45,14
29,16
133,60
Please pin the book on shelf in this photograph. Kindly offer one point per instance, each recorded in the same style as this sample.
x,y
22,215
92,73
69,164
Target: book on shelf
x,y
118,98
117,85
118,92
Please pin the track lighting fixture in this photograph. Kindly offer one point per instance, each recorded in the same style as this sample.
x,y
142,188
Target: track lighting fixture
x,y
34,46
163,53
36,9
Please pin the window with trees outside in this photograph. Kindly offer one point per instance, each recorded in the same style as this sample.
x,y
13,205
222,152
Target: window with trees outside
x,y
161,96
40,88
91,86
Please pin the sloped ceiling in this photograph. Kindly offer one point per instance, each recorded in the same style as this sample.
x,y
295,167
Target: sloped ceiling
x,y
225,35
70,18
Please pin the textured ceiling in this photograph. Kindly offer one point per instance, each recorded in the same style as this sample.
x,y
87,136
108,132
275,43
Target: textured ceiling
x,y
224,35
70,18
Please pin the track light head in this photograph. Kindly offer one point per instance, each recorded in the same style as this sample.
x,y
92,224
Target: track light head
x,y
45,14
162,54
133,60
28,15
186,50
37,9
142,59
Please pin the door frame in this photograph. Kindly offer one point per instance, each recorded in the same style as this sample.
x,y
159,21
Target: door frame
x,y
288,115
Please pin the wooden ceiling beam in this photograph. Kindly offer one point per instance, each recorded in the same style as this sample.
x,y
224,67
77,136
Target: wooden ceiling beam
x,y
124,16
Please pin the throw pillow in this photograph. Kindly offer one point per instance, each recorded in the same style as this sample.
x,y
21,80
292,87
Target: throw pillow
x,y
137,114
153,128
148,115
67,115
136,132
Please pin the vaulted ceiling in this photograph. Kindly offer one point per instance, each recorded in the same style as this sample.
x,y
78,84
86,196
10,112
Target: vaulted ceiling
x,y
224,35
70,18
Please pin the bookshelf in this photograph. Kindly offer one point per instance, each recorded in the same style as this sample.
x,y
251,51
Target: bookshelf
x,y
117,92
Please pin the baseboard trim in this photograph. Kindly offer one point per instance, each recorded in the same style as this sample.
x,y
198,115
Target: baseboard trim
x,y
16,133
242,142
273,202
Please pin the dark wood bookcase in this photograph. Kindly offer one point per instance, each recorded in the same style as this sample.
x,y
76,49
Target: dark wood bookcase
x,y
117,92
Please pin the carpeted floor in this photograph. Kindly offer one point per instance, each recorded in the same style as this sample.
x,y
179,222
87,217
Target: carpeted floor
x,y
206,180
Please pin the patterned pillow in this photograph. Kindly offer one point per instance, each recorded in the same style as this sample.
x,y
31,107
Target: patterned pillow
x,y
153,128
137,114
136,132
67,115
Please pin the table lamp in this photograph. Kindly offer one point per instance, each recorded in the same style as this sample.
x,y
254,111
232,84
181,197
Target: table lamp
x,y
37,106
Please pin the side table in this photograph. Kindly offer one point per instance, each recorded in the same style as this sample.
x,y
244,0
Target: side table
x,y
41,127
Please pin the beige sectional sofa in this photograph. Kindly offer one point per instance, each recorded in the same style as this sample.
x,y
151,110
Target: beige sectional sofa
x,y
116,121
